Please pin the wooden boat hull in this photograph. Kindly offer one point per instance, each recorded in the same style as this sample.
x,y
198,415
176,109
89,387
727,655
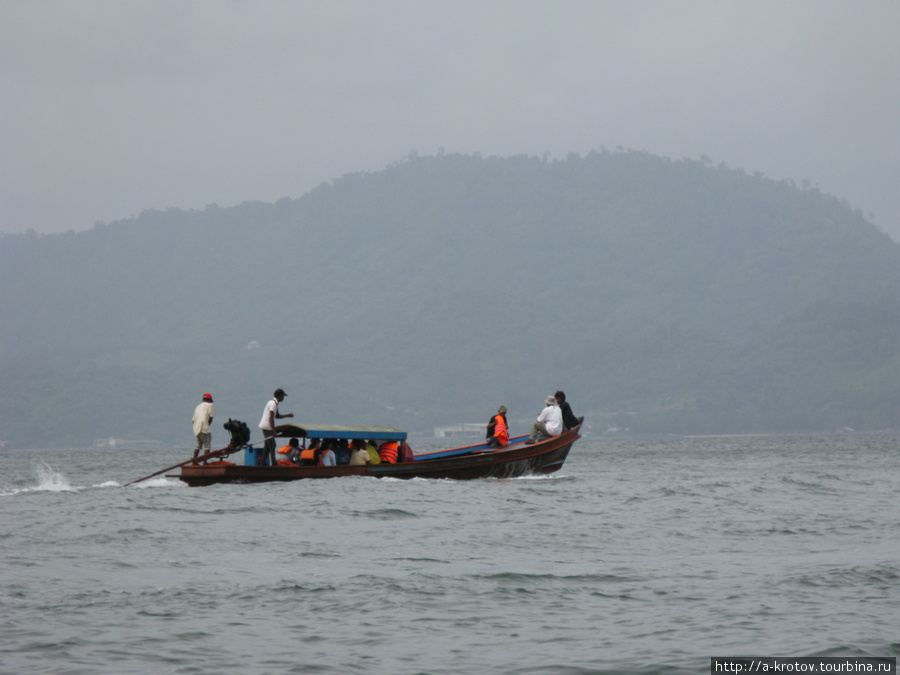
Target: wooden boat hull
x,y
517,459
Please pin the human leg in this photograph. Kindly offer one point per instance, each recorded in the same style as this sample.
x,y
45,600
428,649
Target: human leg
x,y
204,442
269,446
537,428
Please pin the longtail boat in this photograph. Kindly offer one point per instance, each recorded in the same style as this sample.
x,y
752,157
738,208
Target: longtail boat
x,y
518,458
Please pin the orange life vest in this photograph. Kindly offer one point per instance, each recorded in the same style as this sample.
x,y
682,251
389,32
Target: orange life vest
x,y
284,449
308,453
388,452
501,432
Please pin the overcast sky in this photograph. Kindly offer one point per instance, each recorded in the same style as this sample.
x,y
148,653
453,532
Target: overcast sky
x,y
108,108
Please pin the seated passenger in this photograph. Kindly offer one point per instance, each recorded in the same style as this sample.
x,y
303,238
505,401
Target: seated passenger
x,y
374,457
308,455
388,451
326,456
360,455
291,451
498,429
568,417
342,452
548,424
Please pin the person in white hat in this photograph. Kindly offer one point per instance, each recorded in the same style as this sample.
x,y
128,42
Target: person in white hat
x,y
549,422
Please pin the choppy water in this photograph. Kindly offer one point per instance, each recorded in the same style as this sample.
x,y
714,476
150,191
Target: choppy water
x,y
640,556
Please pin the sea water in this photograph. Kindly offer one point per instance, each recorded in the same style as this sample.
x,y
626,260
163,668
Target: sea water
x,y
642,555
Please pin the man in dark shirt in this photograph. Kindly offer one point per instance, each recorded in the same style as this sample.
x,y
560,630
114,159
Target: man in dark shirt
x,y
569,419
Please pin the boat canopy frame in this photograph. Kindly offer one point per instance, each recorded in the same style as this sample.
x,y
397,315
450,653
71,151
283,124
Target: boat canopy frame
x,y
337,431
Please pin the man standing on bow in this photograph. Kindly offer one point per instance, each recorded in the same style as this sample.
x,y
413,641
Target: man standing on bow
x,y
203,417
267,424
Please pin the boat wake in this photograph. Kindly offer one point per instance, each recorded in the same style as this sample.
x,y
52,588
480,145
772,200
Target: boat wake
x,y
539,476
158,482
526,477
50,479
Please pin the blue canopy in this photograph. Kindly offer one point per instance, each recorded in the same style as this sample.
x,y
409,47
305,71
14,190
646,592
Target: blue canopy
x,y
375,433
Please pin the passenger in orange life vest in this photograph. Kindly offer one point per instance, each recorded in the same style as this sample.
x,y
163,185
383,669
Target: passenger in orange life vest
x,y
291,451
308,455
387,451
498,429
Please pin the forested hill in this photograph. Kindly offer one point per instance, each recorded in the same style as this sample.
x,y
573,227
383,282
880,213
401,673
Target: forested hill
x,y
663,296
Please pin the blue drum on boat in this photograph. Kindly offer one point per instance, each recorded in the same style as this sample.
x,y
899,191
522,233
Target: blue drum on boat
x,y
255,456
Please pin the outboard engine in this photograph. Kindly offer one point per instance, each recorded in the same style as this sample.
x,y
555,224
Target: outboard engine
x,y
240,433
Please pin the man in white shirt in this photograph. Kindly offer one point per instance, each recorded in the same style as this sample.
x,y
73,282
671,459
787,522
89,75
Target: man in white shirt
x,y
549,422
267,424
203,417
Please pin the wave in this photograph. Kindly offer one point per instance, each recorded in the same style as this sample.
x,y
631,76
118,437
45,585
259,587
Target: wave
x,y
50,479
879,578
532,577
389,514
161,481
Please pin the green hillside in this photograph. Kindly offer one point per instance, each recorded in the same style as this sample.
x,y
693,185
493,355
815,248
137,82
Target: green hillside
x,y
666,296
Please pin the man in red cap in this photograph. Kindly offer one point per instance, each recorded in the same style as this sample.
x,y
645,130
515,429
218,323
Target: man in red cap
x,y
203,417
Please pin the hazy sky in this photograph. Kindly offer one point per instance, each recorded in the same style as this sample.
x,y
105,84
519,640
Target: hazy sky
x,y
108,108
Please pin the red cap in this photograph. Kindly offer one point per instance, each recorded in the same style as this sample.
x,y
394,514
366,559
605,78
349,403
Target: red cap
x,y
209,396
